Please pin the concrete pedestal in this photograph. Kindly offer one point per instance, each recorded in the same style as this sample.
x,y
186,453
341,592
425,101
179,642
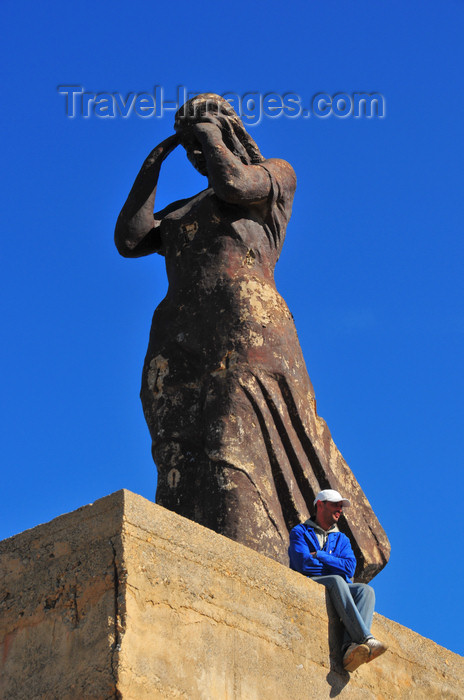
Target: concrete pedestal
x,y
124,599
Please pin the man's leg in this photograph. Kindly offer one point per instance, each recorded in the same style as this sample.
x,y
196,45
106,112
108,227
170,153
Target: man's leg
x,y
356,629
364,599
354,603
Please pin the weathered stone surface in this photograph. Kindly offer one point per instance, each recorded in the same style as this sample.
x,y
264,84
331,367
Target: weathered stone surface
x,y
124,599
225,391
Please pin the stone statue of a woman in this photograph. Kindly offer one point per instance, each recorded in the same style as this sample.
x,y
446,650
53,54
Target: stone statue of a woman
x,y
225,391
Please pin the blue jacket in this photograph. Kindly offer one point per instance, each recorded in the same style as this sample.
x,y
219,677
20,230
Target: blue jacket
x,y
336,557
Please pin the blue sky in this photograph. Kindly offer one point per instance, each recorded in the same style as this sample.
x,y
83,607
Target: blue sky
x,y
371,268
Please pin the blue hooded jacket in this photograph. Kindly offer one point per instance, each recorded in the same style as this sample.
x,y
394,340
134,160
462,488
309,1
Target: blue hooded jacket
x,y
336,557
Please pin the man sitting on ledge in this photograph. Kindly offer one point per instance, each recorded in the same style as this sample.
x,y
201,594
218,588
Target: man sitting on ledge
x,y
320,551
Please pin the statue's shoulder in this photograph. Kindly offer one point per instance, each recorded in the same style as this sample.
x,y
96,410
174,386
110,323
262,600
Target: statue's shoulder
x,y
283,171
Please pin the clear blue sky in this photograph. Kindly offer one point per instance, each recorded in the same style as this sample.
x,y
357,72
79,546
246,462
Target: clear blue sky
x,y
371,268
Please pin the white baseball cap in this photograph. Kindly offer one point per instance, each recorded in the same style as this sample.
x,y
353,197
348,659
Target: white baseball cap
x,y
332,496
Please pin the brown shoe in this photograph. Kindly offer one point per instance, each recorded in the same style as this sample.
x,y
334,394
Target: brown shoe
x,y
375,648
355,655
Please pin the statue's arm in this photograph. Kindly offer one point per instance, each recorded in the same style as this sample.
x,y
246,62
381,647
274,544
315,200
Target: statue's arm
x,y
232,180
137,228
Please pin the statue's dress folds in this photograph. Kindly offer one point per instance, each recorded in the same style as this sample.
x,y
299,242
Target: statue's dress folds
x,y
225,389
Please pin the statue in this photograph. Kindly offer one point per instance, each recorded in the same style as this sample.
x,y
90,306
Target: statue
x,y
225,391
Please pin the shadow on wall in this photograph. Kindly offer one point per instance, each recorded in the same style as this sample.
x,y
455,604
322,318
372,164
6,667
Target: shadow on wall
x,y
337,677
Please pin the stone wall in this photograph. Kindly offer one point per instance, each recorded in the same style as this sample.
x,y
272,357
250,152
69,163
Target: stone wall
x,y
124,599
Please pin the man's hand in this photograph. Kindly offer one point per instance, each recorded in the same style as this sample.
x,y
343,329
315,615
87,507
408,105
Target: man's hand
x,y
313,554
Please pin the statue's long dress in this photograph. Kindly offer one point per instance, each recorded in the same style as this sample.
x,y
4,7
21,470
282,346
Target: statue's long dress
x,y
225,390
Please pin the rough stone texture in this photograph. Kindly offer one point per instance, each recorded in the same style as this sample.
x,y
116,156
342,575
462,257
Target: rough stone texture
x,y
124,599
225,391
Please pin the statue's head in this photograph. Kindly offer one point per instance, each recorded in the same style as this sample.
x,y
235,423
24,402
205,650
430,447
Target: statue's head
x,y
209,107
203,106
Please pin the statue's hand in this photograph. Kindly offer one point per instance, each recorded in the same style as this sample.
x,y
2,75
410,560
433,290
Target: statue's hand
x,y
162,150
206,132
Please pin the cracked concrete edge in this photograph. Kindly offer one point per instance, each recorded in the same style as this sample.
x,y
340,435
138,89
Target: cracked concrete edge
x,y
119,622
